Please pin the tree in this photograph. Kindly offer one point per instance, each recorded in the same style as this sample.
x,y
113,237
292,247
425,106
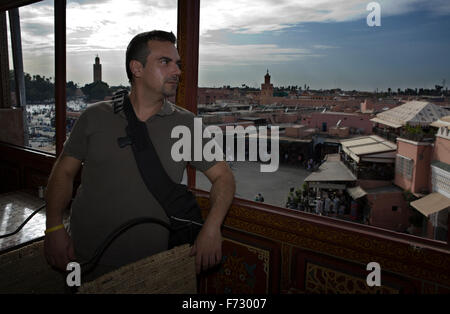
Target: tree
x,y
38,88
96,91
71,89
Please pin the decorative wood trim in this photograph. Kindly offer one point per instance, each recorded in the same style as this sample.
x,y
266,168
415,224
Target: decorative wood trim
x,y
5,95
60,74
188,46
406,255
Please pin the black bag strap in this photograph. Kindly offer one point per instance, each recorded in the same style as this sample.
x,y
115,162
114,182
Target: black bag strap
x,y
176,200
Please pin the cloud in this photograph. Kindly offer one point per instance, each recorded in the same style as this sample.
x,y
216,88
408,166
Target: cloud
x,y
252,17
219,54
106,27
324,47
99,25
111,24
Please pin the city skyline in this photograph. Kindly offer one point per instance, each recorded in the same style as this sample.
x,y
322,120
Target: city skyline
x,y
324,45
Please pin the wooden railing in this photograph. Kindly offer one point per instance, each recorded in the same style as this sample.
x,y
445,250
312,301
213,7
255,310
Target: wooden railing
x,y
268,249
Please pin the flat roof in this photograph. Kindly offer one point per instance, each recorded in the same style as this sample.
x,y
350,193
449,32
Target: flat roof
x,y
384,189
442,165
356,192
281,138
331,171
372,144
388,123
431,203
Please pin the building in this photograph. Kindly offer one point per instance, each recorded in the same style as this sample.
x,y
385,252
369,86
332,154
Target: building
x,y
370,157
379,105
325,121
266,90
401,120
332,175
97,70
431,170
372,160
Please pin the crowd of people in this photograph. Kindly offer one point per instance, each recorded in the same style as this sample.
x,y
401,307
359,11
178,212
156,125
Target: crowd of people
x,y
327,203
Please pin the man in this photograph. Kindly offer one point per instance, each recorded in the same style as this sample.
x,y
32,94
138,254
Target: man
x,y
327,204
319,207
112,190
336,204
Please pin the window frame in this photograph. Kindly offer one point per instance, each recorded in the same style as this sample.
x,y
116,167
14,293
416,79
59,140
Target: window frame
x,y
188,20
404,166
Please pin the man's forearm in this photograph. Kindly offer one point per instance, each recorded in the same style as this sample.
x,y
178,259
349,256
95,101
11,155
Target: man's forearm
x,y
221,197
57,196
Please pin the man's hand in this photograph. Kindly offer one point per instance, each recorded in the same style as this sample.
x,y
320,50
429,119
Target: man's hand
x,y
58,249
208,245
207,248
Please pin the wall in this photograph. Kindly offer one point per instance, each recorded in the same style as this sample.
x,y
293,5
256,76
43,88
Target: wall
x,y
356,121
340,132
373,184
421,154
353,104
381,214
442,149
294,131
286,118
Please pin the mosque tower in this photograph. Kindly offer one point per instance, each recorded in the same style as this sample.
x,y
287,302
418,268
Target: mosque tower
x,y
266,90
97,70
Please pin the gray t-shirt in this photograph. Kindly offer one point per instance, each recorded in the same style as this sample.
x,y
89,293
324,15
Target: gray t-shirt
x,y
112,190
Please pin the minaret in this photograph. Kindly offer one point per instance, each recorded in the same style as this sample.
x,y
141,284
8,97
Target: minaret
x,y
97,70
266,90
267,78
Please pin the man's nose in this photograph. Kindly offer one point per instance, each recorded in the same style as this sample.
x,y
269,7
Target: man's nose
x,y
176,70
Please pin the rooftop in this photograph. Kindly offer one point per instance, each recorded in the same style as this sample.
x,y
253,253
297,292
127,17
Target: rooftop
x,y
442,122
368,145
412,113
331,171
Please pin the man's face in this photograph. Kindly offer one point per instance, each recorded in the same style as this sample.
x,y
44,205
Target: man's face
x,y
162,70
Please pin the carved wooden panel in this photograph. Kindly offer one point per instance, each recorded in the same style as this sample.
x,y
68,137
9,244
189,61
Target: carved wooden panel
x,y
343,250
250,265
317,273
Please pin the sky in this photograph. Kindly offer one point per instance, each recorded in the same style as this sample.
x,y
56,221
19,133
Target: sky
x,y
321,43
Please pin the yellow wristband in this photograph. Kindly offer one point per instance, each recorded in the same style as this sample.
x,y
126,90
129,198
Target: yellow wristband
x,y
54,228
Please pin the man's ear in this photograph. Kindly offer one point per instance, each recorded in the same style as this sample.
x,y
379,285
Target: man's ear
x,y
136,68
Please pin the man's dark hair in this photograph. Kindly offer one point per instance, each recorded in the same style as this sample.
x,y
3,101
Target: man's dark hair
x,y
138,49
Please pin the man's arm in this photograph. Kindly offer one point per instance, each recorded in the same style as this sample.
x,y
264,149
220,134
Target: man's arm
x,y
208,246
58,245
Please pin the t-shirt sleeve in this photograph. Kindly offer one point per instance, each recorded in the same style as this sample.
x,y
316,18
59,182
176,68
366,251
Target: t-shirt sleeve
x,y
77,142
204,164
